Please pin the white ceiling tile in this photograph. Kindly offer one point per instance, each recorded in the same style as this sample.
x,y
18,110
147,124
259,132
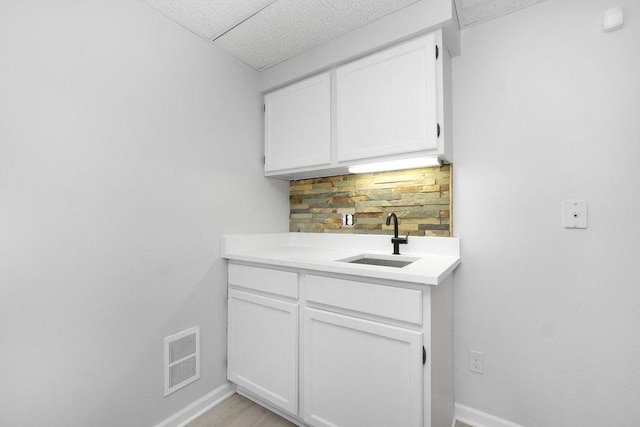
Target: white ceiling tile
x,y
209,18
477,11
471,3
289,27
263,33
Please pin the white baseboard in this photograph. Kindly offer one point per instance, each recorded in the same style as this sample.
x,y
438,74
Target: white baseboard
x,y
463,413
200,406
476,418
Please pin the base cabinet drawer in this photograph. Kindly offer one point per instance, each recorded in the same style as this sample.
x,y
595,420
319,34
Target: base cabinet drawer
x,y
360,373
383,301
263,348
281,283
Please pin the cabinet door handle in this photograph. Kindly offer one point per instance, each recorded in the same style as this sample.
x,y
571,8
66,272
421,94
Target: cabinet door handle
x,y
424,355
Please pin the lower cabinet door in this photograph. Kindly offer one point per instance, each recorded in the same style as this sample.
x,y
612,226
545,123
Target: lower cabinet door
x,y
263,348
360,373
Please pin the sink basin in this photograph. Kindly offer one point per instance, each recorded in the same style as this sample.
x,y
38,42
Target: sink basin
x,y
380,260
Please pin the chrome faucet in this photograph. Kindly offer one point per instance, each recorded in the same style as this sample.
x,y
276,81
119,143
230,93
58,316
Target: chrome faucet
x,y
397,241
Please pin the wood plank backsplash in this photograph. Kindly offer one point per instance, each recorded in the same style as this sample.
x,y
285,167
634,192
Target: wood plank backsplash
x,y
421,198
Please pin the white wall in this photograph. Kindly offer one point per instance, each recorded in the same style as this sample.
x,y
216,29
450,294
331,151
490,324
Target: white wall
x,y
546,109
128,146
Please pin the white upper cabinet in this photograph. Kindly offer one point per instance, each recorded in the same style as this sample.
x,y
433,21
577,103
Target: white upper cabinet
x,y
388,103
298,125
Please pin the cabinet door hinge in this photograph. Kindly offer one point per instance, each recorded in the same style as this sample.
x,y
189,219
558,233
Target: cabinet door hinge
x,y
264,160
437,52
424,355
438,130
264,108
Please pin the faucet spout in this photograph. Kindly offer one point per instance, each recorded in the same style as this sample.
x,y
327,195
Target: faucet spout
x,y
395,223
397,241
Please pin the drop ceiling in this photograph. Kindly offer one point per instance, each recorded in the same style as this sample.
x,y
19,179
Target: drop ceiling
x,y
263,33
472,12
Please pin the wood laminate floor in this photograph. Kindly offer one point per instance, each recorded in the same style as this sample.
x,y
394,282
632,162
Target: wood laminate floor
x,y
238,411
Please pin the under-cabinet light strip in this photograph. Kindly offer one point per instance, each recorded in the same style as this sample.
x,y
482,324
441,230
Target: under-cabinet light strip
x,y
419,162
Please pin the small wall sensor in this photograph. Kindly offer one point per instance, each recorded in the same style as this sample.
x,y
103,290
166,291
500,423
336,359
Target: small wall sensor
x,y
613,19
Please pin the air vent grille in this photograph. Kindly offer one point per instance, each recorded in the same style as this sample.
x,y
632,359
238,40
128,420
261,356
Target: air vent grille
x,y
182,371
182,347
181,359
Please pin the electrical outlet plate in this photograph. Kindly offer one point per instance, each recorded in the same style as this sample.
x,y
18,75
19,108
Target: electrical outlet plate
x,y
348,217
575,214
476,361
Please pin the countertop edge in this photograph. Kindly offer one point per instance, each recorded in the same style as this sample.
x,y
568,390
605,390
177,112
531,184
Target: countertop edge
x,y
347,269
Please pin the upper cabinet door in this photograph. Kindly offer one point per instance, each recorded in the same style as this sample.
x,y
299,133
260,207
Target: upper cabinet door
x,y
387,103
298,125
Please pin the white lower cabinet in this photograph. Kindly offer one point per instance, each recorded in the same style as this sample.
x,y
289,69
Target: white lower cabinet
x,y
341,351
263,348
360,373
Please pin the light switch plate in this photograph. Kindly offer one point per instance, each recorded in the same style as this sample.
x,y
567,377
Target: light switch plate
x,y
575,215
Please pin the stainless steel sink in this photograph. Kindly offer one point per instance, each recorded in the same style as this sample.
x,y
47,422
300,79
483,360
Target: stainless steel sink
x,y
380,260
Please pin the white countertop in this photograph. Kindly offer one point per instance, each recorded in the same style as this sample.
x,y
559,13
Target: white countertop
x,y
437,256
